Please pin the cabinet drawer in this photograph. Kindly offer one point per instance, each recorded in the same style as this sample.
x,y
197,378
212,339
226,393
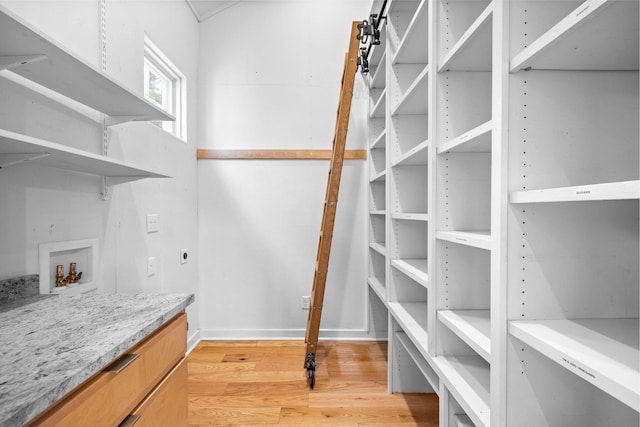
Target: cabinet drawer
x,y
106,399
166,405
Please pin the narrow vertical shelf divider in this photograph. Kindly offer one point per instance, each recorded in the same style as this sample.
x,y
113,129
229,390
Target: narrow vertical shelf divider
x,y
377,262
409,153
466,188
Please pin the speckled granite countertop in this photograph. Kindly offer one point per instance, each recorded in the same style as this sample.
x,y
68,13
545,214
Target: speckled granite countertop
x,y
51,345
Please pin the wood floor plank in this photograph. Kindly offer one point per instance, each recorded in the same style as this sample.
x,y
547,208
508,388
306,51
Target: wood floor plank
x,y
366,399
301,415
248,401
208,368
263,383
206,388
252,376
224,416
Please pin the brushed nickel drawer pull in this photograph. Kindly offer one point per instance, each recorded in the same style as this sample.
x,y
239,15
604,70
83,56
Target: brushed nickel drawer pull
x,y
130,420
119,365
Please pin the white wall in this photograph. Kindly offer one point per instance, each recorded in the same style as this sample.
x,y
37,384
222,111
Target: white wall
x,y
269,77
45,205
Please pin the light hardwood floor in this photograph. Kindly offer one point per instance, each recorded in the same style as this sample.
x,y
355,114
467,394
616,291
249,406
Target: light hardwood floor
x,y
246,383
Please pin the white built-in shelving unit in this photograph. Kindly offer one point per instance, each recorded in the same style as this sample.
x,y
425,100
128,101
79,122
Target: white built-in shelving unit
x,y
27,52
511,190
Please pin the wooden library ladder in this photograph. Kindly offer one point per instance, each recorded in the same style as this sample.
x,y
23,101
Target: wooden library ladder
x,y
330,203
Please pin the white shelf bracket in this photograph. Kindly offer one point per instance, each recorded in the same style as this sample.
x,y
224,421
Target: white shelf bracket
x,y
116,120
8,159
110,181
8,62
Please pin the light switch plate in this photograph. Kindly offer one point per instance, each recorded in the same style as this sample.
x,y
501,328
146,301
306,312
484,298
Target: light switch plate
x,y
153,223
151,266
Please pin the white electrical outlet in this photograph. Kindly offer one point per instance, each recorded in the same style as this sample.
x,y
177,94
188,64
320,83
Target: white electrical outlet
x,y
153,223
184,255
306,301
151,266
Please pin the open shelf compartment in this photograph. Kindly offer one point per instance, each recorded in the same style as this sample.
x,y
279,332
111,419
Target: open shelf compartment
x,y
410,189
477,140
472,50
414,99
419,359
594,35
472,326
415,268
467,379
604,352
401,22
412,317
413,48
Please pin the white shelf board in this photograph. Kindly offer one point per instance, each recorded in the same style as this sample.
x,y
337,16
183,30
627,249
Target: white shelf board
x,y
414,100
476,239
377,80
472,52
67,74
379,108
472,326
477,140
415,268
378,248
462,420
48,153
411,216
412,48
378,212
603,352
380,141
624,190
380,176
376,284
417,156
423,364
409,315
597,35
467,379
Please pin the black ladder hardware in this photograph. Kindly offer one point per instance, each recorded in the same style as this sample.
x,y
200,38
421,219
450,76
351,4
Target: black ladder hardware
x,y
370,30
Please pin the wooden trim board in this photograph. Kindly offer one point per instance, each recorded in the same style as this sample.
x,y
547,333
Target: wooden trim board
x,y
277,154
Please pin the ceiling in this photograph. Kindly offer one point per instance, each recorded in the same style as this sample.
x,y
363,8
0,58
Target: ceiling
x,y
204,9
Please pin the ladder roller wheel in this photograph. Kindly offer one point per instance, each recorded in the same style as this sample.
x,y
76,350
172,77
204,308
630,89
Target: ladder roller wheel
x,y
311,370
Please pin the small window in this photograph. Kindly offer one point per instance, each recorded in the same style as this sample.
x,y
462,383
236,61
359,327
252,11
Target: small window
x,y
165,86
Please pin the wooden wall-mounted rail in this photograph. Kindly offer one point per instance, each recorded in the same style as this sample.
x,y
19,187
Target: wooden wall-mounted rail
x,y
277,154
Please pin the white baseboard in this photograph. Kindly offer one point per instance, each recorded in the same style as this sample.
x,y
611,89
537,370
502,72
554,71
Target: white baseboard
x,y
193,341
291,334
